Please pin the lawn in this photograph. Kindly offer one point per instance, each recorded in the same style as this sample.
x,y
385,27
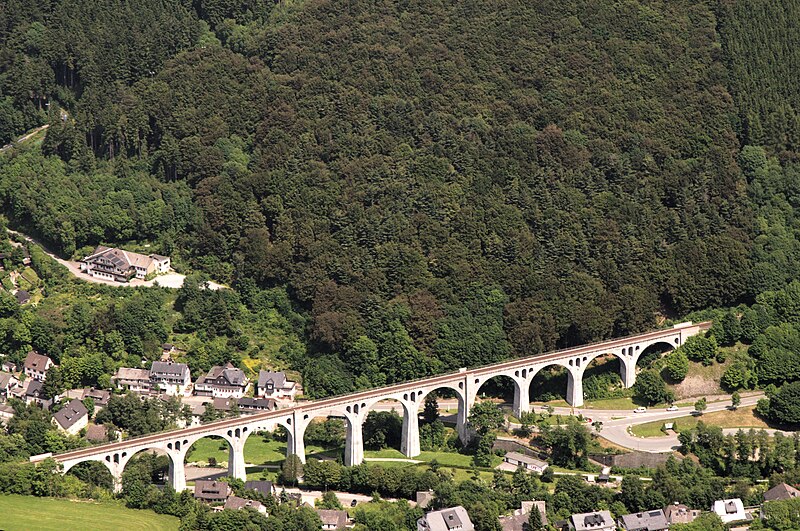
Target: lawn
x,y
744,417
23,513
256,451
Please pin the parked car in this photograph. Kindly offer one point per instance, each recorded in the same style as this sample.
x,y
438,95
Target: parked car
x,y
673,407
353,503
640,409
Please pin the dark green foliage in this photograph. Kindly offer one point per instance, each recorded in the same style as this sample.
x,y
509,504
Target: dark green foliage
x,y
784,407
382,429
677,365
651,388
567,445
702,349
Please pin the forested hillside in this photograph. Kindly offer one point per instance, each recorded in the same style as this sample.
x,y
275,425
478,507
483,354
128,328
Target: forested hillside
x,y
437,184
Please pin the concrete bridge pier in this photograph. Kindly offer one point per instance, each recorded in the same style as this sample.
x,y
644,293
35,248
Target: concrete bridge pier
x,y
575,387
522,398
177,472
409,444
627,369
236,467
354,441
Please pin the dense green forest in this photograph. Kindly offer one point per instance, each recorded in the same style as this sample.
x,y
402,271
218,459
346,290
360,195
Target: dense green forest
x,y
435,184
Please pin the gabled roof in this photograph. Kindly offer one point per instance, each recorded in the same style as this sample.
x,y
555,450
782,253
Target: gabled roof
x,y
6,378
522,458
36,362
35,388
333,517
653,520
96,432
70,414
589,521
120,258
127,373
260,486
230,374
446,519
278,379
169,369
781,491
247,402
235,502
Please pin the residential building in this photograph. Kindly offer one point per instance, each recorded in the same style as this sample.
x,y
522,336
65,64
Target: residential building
x,y
424,498
171,378
518,521
6,413
8,366
526,461
265,488
254,405
99,396
8,383
451,519
332,518
596,521
136,380
275,385
96,433
72,418
110,263
779,492
235,502
677,513
211,491
223,382
654,520
22,296
33,393
36,366
731,510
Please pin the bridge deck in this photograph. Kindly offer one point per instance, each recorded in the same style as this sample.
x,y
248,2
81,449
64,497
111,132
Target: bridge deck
x,y
373,393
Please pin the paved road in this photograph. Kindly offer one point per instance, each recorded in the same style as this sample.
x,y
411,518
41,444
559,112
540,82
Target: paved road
x,y
169,280
23,138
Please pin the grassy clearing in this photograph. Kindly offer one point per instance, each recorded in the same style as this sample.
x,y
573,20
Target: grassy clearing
x,y
23,513
256,451
744,417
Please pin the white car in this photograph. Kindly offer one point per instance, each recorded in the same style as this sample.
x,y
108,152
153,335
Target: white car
x,y
673,407
640,410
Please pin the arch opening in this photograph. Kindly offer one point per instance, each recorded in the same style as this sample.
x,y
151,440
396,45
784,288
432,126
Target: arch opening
x,y
384,424
207,458
149,466
652,353
441,410
324,437
94,475
550,383
602,378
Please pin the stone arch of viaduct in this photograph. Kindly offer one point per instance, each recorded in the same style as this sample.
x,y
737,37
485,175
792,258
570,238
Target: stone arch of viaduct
x,y
355,407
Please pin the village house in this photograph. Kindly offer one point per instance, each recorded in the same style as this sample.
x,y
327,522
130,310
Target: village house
x,y
110,263
654,520
96,433
8,366
255,405
211,491
136,380
451,519
36,365
275,385
222,382
332,518
72,418
100,397
527,462
779,492
33,393
263,487
731,510
6,413
596,521
22,296
8,383
171,378
677,513
236,503
518,521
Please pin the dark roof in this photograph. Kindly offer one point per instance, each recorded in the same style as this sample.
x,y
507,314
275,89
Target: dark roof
x,y
653,520
167,368
257,403
22,296
781,491
70,414
100,396
263,487
229,374
36,361
205,489
35,388
159,257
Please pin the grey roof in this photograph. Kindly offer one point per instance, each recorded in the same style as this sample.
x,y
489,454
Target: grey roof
x,y
645,521
96,432
229,375
333,517
247,402
100,396
22,296
35,388
277,378
516,456
781,491
235,502
70,414
36,361
677,513
446,519
159,257
5,379
590,521
169,369
127,373
261,486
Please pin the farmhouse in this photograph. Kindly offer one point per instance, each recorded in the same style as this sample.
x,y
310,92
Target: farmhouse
x,y
211,491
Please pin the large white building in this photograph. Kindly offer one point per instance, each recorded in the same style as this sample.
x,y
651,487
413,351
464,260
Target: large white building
x,y
222,382
451,519
275,385
36,366
171,378
110,263
72,418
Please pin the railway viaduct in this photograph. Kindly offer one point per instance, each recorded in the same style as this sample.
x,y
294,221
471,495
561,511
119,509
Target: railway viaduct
x,y
354,407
